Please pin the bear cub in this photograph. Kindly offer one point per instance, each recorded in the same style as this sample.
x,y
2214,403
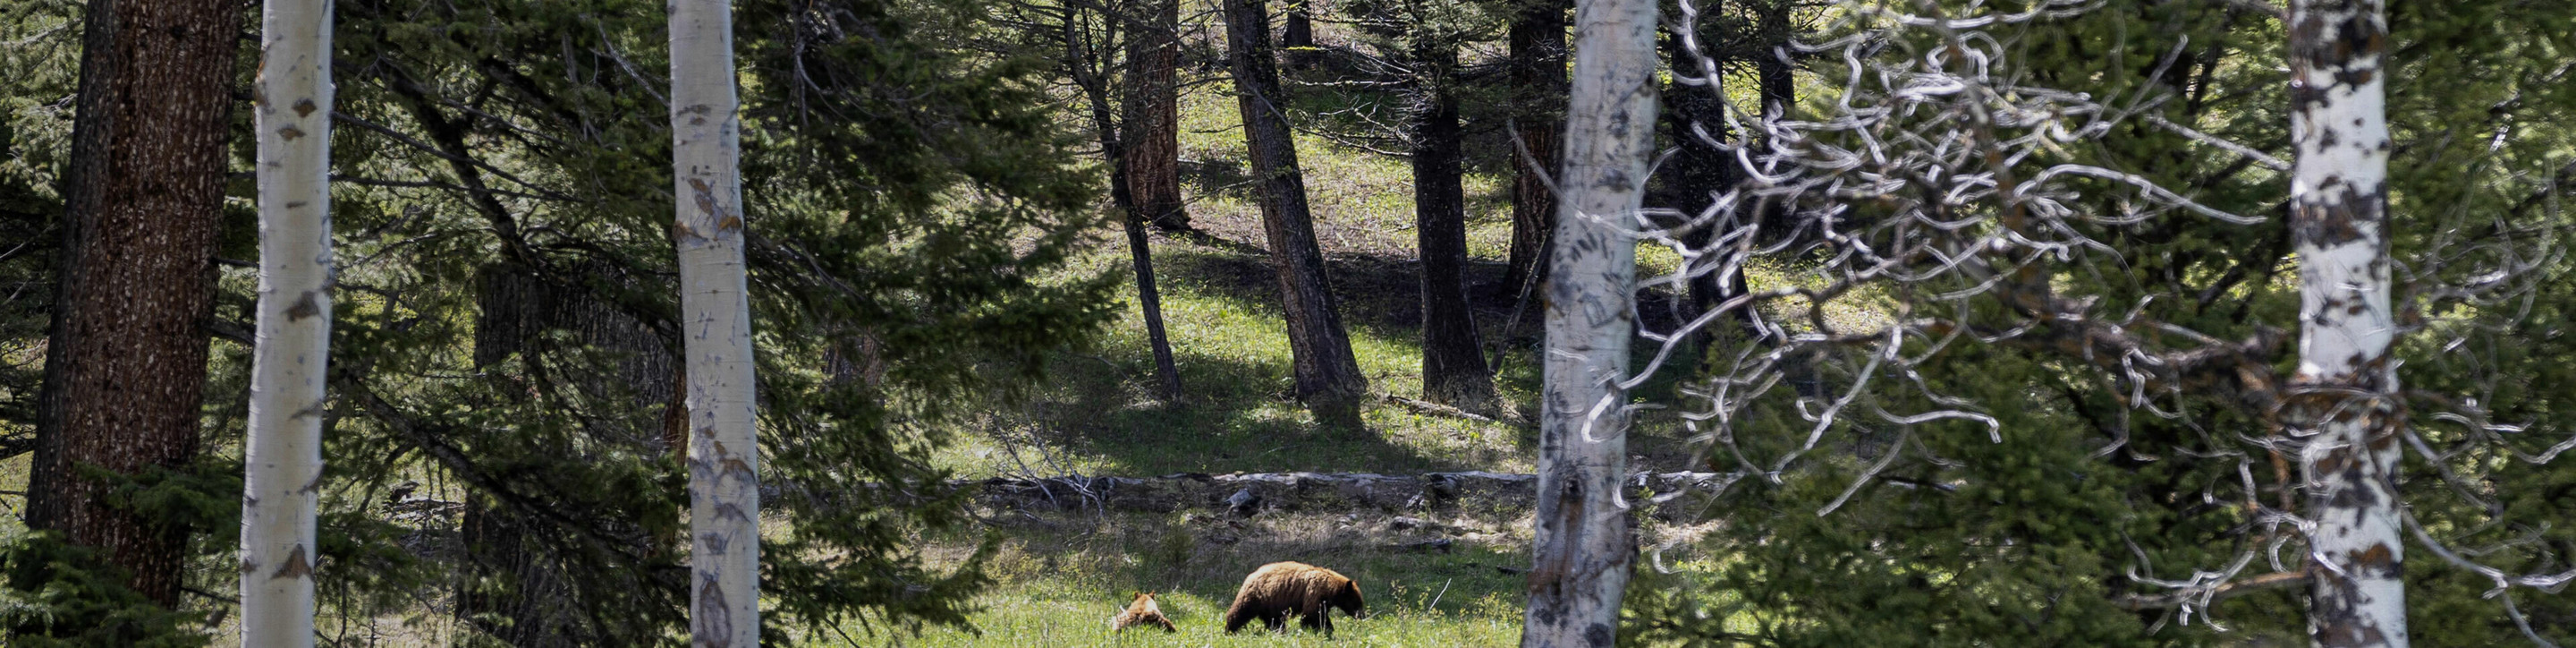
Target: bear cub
x,y
1142,611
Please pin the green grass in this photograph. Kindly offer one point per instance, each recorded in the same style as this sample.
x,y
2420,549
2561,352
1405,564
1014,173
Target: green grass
x,y
1063,579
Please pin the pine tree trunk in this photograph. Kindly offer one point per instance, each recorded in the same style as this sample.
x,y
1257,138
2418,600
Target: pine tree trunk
x,y
125,369
2346,384
1779,89
1453,360
1152,128
1585,544
293,100
520,587
1298,35
1328,376
1537,71
1167,374
1147,101
715,317
1693,174
517,594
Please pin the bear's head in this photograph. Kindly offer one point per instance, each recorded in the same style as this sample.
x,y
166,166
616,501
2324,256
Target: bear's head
x,y
1348,600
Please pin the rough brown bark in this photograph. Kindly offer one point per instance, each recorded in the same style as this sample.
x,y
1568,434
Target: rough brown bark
x,y
1298,36
125,368
1151,130
1453,361
1328,377
518,306
533,610
1537,75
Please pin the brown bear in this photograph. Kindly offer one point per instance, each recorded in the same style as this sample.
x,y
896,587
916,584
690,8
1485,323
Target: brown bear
x,y
1278,589
1142,611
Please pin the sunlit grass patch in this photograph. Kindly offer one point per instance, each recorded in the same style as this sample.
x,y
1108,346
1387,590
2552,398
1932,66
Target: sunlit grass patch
x,y
1061,580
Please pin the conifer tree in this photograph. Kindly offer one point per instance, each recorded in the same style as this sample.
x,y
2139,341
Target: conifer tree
x,y
125,364
1150,133
1536,71
1328,376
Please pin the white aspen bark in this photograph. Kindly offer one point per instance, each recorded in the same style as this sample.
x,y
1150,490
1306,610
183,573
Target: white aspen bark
x,y
715,312
2346,383
283,456
1585,542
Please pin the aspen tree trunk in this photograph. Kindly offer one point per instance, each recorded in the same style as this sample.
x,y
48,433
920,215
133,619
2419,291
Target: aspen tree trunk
x,y
1328,376
125,371
1453,359
2347,388
1537,72
715,320
1152,128
1585,543
293,99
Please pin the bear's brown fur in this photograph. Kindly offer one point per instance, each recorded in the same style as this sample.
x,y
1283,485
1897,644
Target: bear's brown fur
x,y
1142,611
1279,589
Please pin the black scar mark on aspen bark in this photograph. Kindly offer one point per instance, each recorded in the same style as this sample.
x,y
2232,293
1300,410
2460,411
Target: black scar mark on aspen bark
x,y
2337,615
2332,220
1598,635
713,619
2354,498
2304,95
304,307
2378,561
2330,48
296,566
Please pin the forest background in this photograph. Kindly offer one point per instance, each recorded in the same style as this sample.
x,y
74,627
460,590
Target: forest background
x,y
946,196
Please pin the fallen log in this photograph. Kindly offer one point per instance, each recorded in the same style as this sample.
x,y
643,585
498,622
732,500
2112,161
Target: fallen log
x,y
1252,493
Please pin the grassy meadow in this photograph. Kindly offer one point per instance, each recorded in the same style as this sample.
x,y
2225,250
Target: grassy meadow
x,y
1061,577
